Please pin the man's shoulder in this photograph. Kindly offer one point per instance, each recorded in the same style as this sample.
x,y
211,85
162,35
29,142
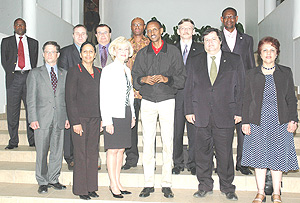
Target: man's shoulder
x,y
68,48
31,39
8,39
245,36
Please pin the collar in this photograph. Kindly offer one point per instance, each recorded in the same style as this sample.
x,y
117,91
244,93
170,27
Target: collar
x,y
106,46
189,44
78,47
230,34
18,36
217,55
143,39
163,49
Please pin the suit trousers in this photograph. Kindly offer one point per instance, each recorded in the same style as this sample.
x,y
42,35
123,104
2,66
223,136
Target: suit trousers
x,y
86,151
46,140
179,124
240,142
207,140
149,113
15,93
68,146
132,153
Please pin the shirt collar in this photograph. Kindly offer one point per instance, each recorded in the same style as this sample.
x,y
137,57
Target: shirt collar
x,y
189,44
49,67
217,55
18,36
230,34
78,47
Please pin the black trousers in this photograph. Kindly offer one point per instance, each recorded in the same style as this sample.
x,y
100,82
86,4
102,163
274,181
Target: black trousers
x,y
240,142
207,140
68,146
132,153
15,93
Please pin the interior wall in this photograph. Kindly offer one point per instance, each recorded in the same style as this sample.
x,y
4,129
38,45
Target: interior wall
x,y
7,16
54,6
251,16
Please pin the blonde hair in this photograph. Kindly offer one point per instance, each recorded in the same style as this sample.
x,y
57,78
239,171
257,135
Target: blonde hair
x,y
114,44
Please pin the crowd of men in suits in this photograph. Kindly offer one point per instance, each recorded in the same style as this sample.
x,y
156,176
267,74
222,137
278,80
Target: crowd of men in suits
x,y
197,85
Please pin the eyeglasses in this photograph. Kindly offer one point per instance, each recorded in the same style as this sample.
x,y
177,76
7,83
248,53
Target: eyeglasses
x,y
102,33
186,28
50,52
137,24
229,17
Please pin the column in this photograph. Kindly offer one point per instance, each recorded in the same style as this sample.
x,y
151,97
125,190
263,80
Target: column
x,y
296,22
270,5
29,15
66,10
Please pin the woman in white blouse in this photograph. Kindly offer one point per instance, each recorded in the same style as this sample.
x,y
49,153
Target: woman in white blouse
x,y
117,111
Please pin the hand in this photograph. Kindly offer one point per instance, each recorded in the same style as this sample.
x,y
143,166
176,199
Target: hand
x,y
132,122
191,118
292,126
110,129
137,94
148,80
78,129
160,78
246,129
101,128
237,119
35,125
67,124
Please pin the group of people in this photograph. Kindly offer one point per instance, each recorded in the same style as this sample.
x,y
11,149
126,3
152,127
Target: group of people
x,y
212,87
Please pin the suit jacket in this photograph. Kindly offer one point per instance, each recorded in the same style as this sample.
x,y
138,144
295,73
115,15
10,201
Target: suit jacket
x,y
243,47
254,90
69,57
9,56
97,61
223,98
43,105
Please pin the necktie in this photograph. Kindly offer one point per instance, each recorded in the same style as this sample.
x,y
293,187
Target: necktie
x,y
53,79
21,56
103,57
185,54
213,70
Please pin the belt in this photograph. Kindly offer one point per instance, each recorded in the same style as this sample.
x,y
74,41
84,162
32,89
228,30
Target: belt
x,y
22,71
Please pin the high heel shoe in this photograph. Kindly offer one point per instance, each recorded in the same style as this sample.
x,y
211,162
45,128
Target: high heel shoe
x,y
276,198
125,192
116,195
259,198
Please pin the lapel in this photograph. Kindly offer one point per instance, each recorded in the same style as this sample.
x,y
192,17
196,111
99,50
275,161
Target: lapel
x,y
45,76
193,50
204,68
225,46
238,41
60,84
76,53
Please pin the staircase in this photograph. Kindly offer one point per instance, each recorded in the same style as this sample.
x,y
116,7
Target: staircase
x,y
18,183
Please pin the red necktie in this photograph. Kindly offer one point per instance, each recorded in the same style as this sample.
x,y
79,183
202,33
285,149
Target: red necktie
x,y
21,56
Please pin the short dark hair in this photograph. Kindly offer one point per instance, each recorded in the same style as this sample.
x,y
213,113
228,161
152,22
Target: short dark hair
x,y
209,30
102,25
138,18
79,25
154,21
229,8
186,20
19,19
269,40
51,43
85,43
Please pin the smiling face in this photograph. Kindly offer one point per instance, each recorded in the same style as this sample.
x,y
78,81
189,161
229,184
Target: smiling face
x,y
138,27
50,55
103,35
268,54
20,27
87,54
154,32
121,52
212,43
186,31
229,20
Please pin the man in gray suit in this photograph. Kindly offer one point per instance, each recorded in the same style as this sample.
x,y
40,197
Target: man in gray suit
x,y
103,34
47,116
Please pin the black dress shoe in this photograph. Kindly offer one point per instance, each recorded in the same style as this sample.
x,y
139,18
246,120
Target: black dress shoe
x,y
244,170
193,170
85,197
99,167
125,192
32,145
11,146
115,195
146,191
71,165
231,196
202,193
126,167
167,192
43,189
57,186
177,170
93,194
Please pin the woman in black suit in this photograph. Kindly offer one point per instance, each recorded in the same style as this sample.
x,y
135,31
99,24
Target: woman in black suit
x,y
269,119
82,99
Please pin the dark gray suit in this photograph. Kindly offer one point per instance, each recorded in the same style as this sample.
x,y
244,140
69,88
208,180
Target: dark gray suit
x,y
214,107
244,48
180,121
97,61
49,109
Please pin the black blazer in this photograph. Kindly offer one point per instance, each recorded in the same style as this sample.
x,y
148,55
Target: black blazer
x,y
243,47
9,55
69,57
254,90
223,99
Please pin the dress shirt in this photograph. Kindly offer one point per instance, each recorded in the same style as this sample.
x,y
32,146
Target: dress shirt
x,y
217,60
136,47
26,53
78,47
106,49
182,45
230,38
49,70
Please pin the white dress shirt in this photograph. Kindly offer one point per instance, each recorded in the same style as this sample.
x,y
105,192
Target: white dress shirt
x,y
230,38
217,60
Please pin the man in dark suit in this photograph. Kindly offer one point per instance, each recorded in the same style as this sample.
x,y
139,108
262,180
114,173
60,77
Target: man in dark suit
x,y
69,57
48,117
188,49
213,93
241,44
19,54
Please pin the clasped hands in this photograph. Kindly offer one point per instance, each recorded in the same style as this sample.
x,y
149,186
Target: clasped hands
x,y
151,80
191,118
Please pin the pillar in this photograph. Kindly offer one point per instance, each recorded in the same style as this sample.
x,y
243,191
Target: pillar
x,y
66,10
29,15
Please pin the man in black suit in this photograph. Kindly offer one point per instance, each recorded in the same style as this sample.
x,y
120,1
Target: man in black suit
x,y
241,44
69,58
213,93
19,54
188,49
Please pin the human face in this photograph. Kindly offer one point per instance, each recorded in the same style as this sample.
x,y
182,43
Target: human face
x,y
103,35
50,55
121,52
154,32
186,31
137,27
229,20
79,35
20,27
87,54
268,54
212,43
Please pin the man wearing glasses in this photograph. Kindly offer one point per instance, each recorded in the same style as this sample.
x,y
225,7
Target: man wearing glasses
x,y
158,72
